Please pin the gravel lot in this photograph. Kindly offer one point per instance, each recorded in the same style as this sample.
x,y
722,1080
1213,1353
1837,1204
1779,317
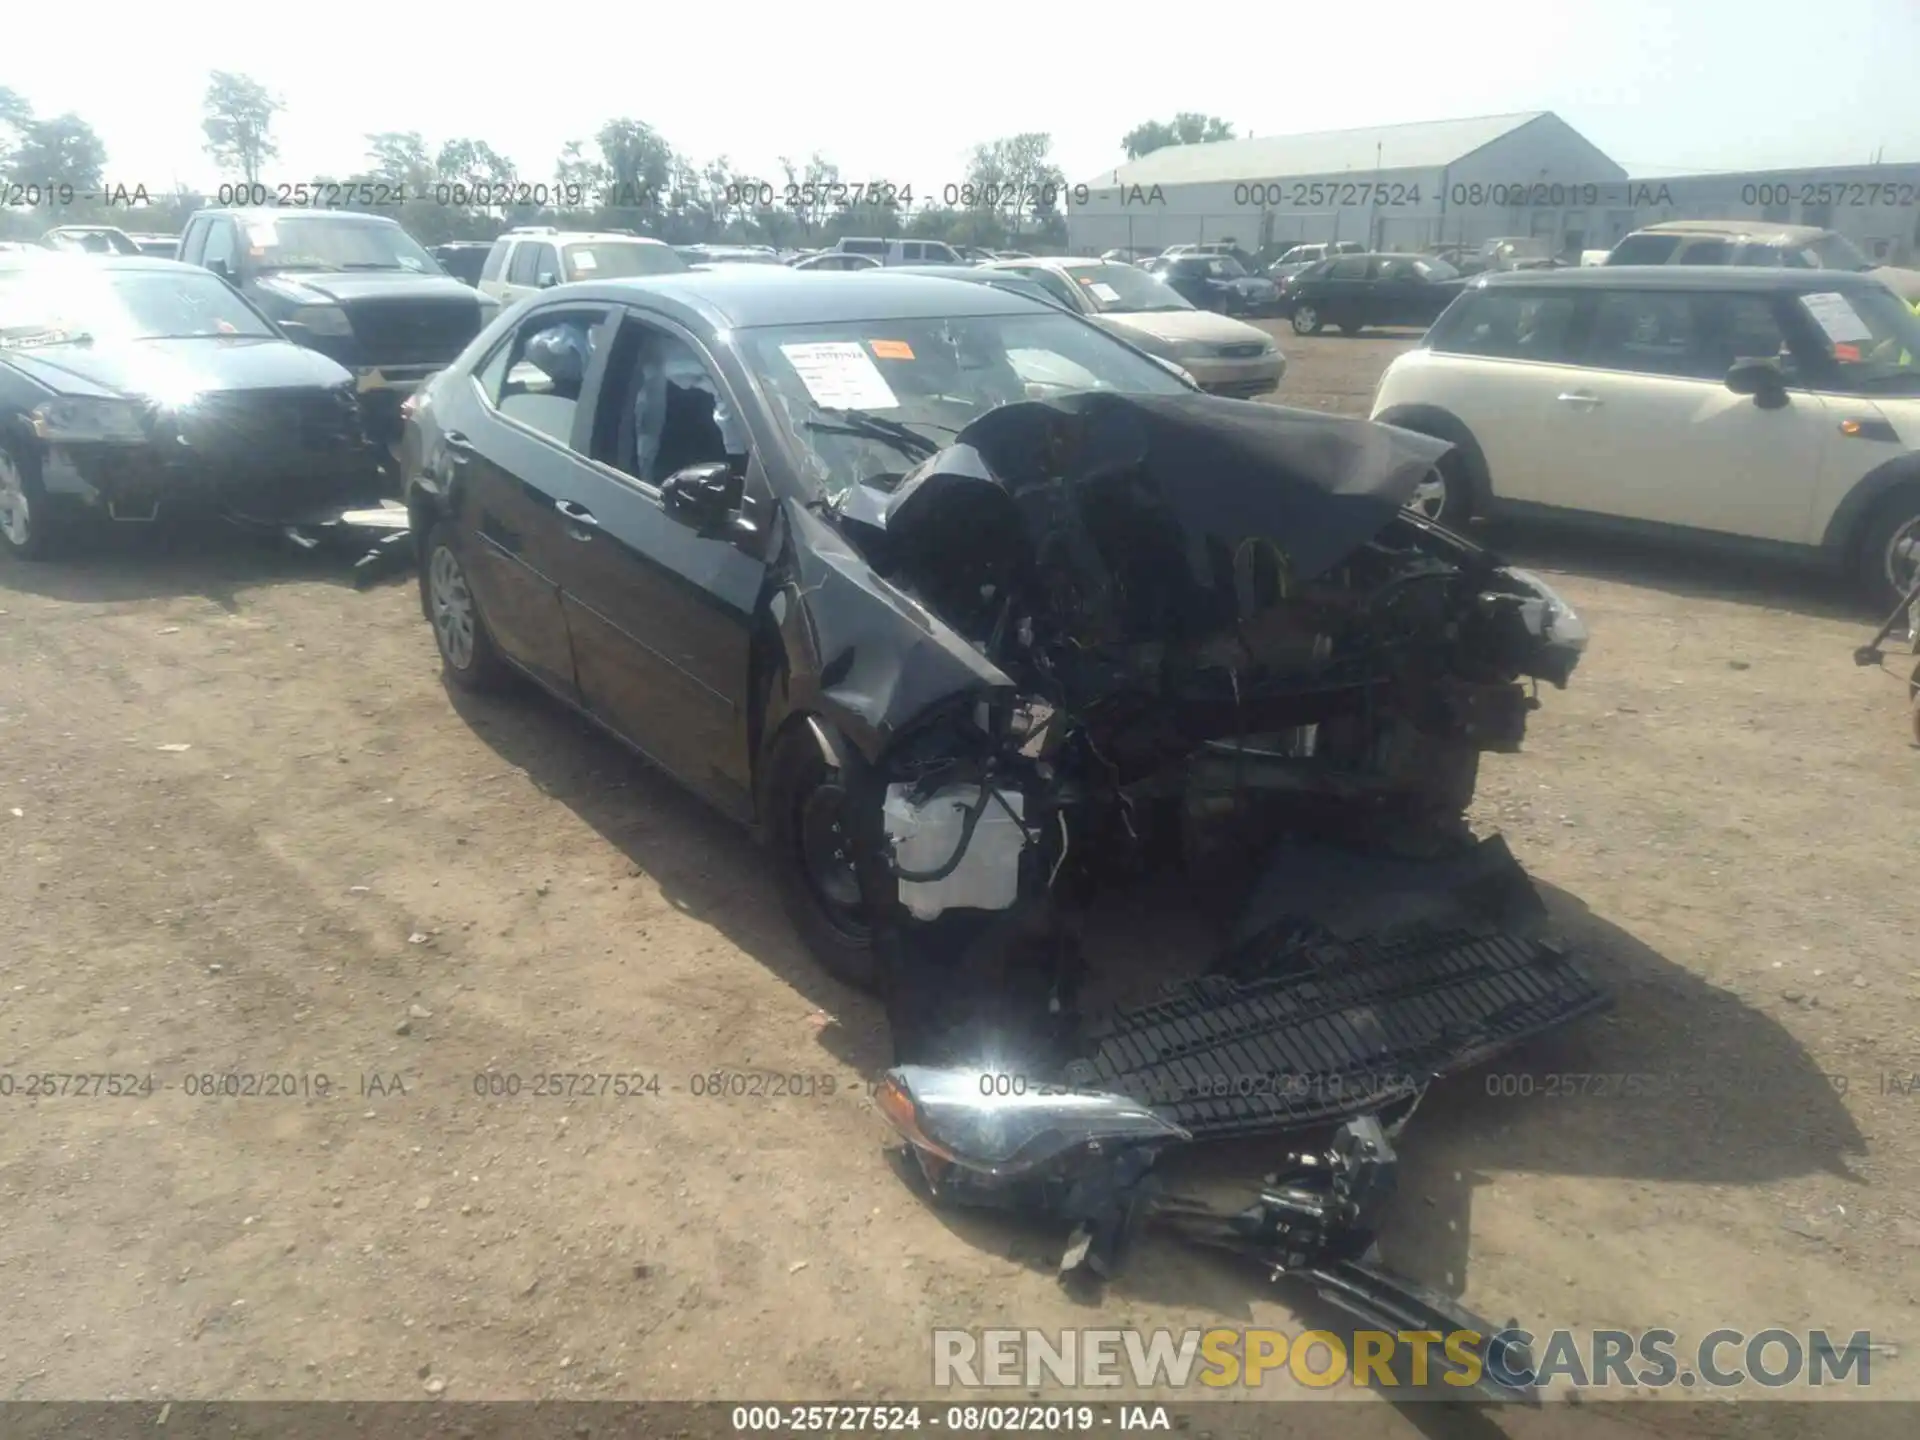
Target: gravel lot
x,y
243,828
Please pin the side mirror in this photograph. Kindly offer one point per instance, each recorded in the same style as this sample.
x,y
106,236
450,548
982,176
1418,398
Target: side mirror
x,y
1761,379
544,280
222,268
700,495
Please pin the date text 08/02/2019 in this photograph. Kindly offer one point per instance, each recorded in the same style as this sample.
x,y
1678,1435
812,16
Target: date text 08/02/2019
x,y
1039,1419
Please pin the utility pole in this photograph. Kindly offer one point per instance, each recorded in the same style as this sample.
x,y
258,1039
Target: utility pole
x,y
1373,201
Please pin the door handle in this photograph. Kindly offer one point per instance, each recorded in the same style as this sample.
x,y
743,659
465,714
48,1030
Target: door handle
x,y
1580,397
578,514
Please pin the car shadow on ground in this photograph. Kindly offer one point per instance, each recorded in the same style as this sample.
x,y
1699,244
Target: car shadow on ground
x,y
1681,1082
210,559
1675,567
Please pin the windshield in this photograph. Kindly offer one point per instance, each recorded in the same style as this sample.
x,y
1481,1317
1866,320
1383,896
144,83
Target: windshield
x,y
40,306
617,259
868,399
1224,267
1871,336
94,242
1124,288
333,242
1436,269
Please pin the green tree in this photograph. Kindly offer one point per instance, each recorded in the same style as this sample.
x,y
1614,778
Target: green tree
x,y
811,188
61,151
1189,127
639,166
1016,178
237,118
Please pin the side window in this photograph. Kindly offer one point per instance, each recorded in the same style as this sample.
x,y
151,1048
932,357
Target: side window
x,y
912,250
937,250
525,256
1708,252
662,408
496,260
219,243
1644,250
535,376
546,261
193,242
1731,327
1396,269
1508,325
1694,337
1347,268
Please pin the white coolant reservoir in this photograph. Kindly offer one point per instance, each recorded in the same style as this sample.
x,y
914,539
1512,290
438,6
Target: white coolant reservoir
x,y
925,837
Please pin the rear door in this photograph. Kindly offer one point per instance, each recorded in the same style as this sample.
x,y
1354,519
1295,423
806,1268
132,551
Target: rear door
x,y
1399,294
1342,290
1646,428
660,614
510,440
1497,365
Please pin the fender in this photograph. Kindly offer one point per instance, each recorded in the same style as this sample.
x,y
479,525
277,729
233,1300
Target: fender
x,y
1441,424
1852,511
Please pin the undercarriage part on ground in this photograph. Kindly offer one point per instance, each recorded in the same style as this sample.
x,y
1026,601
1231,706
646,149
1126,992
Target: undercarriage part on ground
x,y
379,536
1086,1159
1335,1027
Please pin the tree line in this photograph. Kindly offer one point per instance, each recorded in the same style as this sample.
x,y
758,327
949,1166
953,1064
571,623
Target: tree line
x,y
627,175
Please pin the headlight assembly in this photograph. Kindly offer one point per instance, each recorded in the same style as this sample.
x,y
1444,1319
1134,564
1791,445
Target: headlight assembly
x,y
96,421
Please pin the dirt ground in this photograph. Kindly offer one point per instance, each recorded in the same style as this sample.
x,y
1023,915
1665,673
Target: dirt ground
x,y
244,830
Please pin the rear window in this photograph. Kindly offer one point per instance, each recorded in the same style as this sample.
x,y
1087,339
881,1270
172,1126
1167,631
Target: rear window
x,y
1644,250
864,247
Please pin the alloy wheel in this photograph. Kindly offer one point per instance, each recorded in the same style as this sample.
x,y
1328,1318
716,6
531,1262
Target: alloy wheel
x,y
1430,496
16,521
826,856
452,603
1306,319
1900,560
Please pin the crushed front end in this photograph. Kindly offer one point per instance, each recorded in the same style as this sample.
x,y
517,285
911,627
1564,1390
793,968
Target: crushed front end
x,y
1213,629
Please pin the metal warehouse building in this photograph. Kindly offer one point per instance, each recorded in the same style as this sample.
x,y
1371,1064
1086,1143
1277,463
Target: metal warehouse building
x,y
1405,187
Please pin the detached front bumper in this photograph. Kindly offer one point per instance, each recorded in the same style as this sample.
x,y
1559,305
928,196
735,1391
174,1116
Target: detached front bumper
x,y
382,390
140,482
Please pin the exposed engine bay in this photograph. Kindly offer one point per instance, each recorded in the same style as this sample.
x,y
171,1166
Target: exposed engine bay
x,y
1200,629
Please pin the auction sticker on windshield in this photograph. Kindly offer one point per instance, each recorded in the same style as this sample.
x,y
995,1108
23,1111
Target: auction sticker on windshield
x,y
1103,291
262,233
892,349
583,260
840,375
1832,313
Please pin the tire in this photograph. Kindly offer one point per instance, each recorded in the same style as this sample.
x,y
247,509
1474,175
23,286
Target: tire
x,y
1884,575
1351,327
468,657
31,528
806,811
1307,321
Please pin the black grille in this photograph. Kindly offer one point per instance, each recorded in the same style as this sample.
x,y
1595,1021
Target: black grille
x,y
1247,350
300,419
413,332
1350,1026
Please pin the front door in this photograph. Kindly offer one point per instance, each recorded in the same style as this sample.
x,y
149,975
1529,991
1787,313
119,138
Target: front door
x,y
1647,429
508,445
661,614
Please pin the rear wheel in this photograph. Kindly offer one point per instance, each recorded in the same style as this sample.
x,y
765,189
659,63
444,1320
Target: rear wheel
x,y
1442,497
1306,320
467,653
1351,327
1888,558
810,826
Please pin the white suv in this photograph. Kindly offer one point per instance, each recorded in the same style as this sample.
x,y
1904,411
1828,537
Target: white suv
x,y
534,257
1780,407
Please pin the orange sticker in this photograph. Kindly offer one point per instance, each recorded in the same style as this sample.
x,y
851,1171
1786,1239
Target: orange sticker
x,y
1850,353
892,349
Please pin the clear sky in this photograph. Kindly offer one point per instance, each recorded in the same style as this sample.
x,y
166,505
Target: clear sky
x,y
902,92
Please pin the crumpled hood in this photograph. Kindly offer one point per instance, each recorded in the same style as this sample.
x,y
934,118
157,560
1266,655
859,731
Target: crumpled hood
x,y
177,369
1207,326
1197,476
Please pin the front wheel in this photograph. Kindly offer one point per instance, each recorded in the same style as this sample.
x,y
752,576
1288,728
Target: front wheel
x,y
1889,553
1306,320
811,830
30,529
1442,496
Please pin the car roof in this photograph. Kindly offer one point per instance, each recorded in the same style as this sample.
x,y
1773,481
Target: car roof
x,y
1052,262
277,212
1790,281
36,255
1734,227
575,237
757,295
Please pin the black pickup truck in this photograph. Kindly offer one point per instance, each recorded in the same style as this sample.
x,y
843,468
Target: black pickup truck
x,y
355,287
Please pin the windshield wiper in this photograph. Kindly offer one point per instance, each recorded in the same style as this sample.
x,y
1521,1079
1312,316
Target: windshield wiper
x,y
326,266
866,424
373,265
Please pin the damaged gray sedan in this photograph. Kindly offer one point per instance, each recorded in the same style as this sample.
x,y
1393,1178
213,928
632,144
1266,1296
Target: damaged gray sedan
x,y
978,615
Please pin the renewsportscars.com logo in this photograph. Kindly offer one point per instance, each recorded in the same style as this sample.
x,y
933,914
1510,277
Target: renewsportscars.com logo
x,y
1723,1359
